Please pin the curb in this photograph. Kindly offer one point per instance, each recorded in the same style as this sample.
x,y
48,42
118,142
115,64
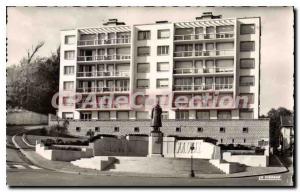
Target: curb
x,y
126,174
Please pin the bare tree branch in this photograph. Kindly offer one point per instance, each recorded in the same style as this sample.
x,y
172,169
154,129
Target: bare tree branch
x,y
34,51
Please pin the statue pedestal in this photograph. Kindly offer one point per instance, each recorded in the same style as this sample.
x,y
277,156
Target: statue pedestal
x,y
155,144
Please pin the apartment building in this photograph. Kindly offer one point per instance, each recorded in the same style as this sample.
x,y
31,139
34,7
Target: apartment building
x,y
210,56
194,69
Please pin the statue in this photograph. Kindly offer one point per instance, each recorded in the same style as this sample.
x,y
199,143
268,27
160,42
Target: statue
x,y
156,118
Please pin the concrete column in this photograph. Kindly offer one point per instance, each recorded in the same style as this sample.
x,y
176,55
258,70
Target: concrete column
x,y
155,144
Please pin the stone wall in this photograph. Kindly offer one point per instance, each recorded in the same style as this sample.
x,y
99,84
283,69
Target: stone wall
x,y
24,117
249,160
257,129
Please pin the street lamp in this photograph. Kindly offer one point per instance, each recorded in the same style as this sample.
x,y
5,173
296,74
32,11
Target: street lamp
x,y
192,174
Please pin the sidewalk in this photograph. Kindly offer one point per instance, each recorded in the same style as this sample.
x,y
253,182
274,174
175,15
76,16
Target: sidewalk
x,y
67,167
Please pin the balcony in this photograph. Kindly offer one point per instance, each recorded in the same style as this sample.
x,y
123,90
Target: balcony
x,y
103,74
101,89
103,58
208,87
195,71
210,53
97,42
103,106
193,37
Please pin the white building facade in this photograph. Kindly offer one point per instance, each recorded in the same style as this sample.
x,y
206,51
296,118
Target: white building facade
x,y
210,57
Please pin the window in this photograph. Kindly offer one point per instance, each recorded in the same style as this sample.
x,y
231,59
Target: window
x,y
162,66
162,83
69,39
224,114
165,115
232,140
142,83
85,116
122,115
163,50
136,129
247,63
246,99
116,129
221,141
143,51
68,70
163,34
69,55
68,101
78,129
244,140
246,114
142,115
143,68
202,115
200,129
247,81
67,115
222,130
245,129
247,29
103,115
97,129
178,129
144,35
68,85
247,46
182,115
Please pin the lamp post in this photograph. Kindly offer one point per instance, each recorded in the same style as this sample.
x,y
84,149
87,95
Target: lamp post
x,y
192,174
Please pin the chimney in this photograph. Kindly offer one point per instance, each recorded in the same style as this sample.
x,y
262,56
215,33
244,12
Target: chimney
x,y
208,15
113,22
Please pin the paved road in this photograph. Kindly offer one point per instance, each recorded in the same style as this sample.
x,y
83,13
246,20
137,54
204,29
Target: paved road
x,y
21,172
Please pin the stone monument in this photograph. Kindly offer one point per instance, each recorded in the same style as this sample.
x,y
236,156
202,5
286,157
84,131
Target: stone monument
x,y
156,136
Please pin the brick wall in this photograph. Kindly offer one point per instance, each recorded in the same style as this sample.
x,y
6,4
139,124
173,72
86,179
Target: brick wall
x,y
258,129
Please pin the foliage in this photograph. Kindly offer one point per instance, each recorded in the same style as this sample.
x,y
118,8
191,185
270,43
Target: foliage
x,y
90,133
32,83
274,115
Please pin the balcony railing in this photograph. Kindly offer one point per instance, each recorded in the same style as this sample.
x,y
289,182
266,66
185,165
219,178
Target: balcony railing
x,y
94,42
188,37
102,58
203,70
203,87
101,89
101,106
207,53
103,74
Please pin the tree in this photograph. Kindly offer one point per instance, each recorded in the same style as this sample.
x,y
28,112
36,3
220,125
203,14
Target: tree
x,y
32,83
274,115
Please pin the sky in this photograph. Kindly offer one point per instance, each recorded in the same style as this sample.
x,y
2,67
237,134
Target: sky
x,y
27,26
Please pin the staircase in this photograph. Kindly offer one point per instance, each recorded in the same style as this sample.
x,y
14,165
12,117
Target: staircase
x,y
98,162
162,165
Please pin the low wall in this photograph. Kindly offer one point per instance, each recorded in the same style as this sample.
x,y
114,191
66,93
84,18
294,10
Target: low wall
x,y
226,167
182,149
24,117
62,155
258,129
129,146
249,160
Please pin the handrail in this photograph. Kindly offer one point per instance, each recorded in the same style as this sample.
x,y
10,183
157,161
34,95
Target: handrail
x,y
103,57
203,53
203,87
121,73
101,89
220,35
104,41
202,70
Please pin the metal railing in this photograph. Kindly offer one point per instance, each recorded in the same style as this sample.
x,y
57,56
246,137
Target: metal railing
x,y
195,53
103,74
203,87
203,70
93,42
187,37
99,105
102,58
101,89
